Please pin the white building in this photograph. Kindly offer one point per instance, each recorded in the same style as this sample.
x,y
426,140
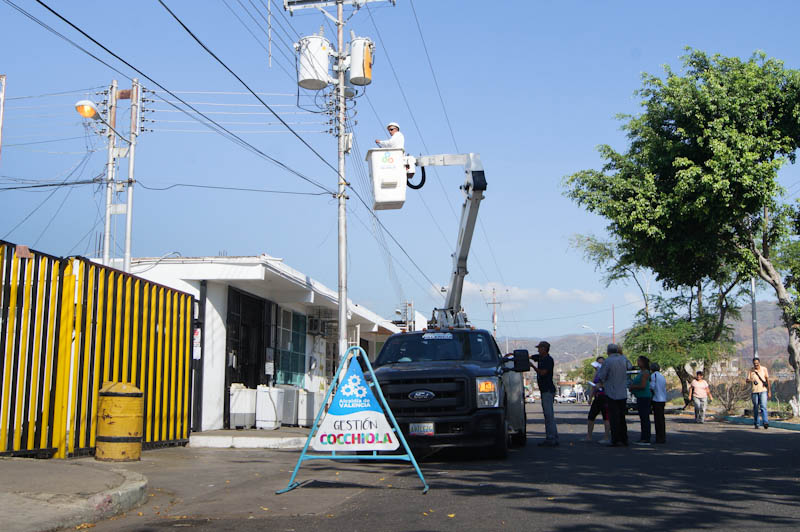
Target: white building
x,y
260,322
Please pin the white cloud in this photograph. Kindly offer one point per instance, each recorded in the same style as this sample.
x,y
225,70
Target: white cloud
x,y
514,297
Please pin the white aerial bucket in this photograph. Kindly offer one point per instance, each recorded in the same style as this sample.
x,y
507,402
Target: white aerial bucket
x,y
387,170
361,51
313,63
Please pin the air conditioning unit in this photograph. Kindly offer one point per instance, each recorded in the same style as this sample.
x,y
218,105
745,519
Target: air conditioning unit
x,y
314,326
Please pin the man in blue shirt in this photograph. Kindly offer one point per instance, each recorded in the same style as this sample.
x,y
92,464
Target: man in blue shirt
x,y
544,378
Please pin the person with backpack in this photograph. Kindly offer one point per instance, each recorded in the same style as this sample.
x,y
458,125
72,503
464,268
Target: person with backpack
x,y
759,378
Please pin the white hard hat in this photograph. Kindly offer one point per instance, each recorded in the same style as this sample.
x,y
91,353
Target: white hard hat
x,y
390,124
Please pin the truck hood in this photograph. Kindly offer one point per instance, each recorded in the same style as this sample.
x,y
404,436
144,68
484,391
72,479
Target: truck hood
x,y
448,368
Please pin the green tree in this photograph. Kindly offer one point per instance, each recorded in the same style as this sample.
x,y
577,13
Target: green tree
x,y
695,197
585,371
676,339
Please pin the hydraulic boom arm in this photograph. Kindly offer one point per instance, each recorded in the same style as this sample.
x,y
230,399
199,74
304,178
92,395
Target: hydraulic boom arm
x,y
452,315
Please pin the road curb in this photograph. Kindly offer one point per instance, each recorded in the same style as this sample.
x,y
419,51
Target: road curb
x,y
775,424
246,442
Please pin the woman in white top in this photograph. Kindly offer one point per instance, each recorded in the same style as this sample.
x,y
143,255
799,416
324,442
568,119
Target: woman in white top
x,y
659,386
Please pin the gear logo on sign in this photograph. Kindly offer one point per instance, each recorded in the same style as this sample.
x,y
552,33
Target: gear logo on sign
x,y
353,387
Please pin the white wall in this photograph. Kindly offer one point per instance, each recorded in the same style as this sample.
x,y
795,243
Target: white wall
x,y
214,356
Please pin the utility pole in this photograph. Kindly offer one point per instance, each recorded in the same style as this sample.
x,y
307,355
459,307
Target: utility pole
x,y
112,122
2,107
340,67
494,304
134,94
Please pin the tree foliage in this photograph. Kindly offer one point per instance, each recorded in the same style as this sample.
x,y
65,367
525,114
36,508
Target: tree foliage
x,y
685,198
695,196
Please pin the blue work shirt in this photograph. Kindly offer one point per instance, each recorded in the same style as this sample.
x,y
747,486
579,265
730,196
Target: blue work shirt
x,y
545,382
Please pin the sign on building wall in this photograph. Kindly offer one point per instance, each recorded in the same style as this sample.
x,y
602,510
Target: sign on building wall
x,y
355,420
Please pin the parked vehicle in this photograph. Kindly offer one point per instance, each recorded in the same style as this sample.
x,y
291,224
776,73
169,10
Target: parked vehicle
x,y
454,389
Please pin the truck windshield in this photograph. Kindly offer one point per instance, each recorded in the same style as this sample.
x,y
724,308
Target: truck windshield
x,y
438,346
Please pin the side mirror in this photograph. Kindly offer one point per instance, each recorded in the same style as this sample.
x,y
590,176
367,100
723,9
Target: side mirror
x,y
522,360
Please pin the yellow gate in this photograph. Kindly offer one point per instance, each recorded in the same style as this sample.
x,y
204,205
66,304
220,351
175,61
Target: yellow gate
x,y
69,325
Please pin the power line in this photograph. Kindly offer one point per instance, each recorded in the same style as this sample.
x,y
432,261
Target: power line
x,y
69,174
571,316
240,189
54,93
433,74
48,185
246,27
230,136
41,142
246,86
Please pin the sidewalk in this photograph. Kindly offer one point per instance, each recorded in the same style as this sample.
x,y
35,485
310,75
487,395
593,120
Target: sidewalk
x,y
43,495
38,495
282,438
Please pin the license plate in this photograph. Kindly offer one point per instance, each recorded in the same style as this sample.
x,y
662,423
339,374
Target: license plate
x,y
420,429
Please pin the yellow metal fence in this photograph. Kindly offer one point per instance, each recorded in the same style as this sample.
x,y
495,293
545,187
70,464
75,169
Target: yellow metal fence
x,y
67,326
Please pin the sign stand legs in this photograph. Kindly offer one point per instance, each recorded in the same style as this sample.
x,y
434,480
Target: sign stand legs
x,y
356,352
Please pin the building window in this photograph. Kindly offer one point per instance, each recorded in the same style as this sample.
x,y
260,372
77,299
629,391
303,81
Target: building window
x,y
291,363
331,359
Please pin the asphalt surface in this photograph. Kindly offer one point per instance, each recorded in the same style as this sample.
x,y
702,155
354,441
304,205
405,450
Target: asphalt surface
x,y
710,476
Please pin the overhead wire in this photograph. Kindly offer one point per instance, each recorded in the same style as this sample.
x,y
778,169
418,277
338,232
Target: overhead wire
x,y
246,86
452,132
210,123
246,27
70,173
238,189
53,93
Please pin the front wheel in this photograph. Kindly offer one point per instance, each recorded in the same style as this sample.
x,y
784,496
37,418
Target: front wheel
x,y
500,447
521,438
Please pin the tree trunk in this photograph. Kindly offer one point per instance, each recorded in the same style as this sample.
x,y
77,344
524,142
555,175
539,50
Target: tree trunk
x,y
771,275
685,377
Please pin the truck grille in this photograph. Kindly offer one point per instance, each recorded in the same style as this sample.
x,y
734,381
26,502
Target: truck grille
x,y
452,397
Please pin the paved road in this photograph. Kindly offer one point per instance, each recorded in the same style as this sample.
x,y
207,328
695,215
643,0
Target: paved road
x,y
708,476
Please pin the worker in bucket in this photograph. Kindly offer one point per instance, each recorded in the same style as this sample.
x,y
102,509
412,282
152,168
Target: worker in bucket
x,y
397,140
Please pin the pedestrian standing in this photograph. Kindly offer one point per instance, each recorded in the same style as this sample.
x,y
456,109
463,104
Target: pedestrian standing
x,y
544,378
758,377
658,383
640,386
700,394
613,374
599,404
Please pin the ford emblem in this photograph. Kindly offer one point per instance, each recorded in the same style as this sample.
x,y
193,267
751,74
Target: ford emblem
x,y
421,395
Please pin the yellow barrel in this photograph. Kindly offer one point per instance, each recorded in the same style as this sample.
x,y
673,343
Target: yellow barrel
x,y
119,423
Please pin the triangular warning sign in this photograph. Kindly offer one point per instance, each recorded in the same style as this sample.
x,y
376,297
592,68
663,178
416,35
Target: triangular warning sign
x,y
355,420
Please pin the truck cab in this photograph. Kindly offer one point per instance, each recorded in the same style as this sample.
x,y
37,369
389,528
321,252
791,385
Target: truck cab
x,y
454,388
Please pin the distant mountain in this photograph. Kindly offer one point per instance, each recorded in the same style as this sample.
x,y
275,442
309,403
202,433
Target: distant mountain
x,y
772,335
569,350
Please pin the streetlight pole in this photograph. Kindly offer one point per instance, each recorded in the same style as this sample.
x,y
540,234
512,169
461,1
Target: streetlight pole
x,y
596,338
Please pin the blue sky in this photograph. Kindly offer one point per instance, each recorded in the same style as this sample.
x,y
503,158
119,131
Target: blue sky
x,y
532,86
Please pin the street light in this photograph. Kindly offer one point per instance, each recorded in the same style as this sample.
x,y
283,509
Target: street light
x,y
596,338
88,109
